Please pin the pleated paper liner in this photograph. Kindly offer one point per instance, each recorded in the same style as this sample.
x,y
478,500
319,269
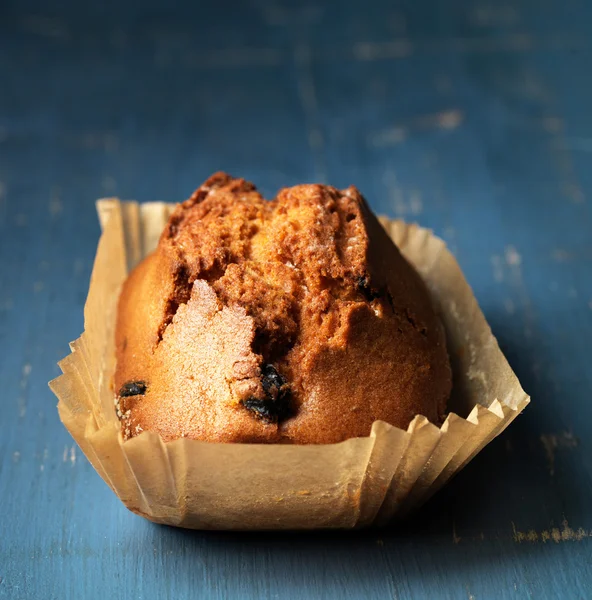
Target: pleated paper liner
x,y
355,483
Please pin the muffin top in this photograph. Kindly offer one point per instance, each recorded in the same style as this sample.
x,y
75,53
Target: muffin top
x,y
295,320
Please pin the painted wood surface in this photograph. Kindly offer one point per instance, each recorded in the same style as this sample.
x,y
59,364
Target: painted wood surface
x,y
471,117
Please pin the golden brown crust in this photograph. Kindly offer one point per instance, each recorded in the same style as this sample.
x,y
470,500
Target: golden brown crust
x,y
290,321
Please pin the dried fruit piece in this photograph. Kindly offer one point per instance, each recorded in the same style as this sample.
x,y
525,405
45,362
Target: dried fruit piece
x,y
276,404
132,388
365,289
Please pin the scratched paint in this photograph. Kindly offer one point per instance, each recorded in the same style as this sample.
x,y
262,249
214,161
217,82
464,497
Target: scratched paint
x,y
388,137
401,48
69,454
24,384
308,99
448,119
276,15
498,273
55,202
405,203
553,124
561,255
445,120
552,442
231,58
78,267
443,84
570,186
2,202
494,15
509,306
554,534
579,144
415,203
107,141
44,458
517,42
512,256
108,184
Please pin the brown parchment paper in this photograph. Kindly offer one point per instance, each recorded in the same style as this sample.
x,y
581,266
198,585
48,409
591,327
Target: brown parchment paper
x,y
355,483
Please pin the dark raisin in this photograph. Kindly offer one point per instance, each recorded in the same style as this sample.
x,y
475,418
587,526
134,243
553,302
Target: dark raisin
x,y
275,406
132,388
271,379
262,409
364,288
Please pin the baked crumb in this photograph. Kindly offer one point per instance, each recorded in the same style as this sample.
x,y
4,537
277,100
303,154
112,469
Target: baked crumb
x,y
267,321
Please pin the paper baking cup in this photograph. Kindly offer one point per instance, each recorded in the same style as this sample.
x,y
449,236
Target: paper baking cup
x,y
355,483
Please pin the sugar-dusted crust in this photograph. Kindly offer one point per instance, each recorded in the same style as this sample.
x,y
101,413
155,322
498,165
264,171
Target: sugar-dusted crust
x,y
290,321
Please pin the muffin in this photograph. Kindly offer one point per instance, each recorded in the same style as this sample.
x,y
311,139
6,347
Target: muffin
x,y
295,320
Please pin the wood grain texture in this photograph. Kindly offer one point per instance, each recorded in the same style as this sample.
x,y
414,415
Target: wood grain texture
x,y
471,117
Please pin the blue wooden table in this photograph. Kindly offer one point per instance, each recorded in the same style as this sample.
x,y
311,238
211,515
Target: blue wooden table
x,y
472,117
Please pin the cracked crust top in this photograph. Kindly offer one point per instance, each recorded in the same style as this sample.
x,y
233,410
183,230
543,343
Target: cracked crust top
x,y
290,321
